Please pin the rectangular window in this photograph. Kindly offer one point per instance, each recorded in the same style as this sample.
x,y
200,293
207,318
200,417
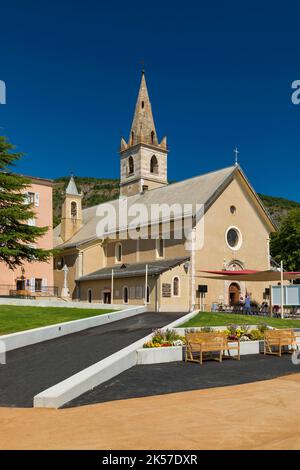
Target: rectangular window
x,y
30,198
31,222
132,292
139,292
37,199
38,285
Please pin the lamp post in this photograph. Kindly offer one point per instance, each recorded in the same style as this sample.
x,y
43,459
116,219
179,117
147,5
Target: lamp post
x,y
281,288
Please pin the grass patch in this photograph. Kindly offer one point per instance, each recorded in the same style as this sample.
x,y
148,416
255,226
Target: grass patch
x,y
13,319
223,319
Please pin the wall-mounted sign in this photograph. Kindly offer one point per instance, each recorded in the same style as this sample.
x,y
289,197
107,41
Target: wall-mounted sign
x,y
166,289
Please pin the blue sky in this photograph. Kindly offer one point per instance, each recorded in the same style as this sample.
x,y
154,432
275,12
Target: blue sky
x,y
219,75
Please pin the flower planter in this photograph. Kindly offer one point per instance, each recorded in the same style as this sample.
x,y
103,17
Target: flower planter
x,y
249,347
159,355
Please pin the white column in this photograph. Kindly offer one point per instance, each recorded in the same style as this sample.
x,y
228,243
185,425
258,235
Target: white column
x,y
80,264
146,283
65,290
112,287
268,252
193,270
281,288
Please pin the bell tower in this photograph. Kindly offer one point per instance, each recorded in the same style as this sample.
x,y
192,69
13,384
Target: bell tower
x,y
143,158
71,211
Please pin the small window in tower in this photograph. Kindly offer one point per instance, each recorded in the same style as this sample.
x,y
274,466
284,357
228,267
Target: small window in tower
x,y
130,166
132,138
160,248
143,104
154,165
73,209
152,137
118,253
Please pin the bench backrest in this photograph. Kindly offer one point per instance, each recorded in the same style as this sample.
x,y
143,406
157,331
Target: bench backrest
x,y
283,334
201,336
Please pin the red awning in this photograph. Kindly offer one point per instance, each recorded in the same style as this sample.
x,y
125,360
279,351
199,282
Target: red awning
x,y
252,275
233,273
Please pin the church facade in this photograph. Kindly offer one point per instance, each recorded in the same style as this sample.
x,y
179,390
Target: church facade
x,y
166,272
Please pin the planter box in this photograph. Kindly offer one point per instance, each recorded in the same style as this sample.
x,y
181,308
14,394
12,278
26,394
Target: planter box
x,y
249,347
159,355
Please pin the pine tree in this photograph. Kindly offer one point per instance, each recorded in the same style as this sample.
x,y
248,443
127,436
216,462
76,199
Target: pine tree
x,y
17,237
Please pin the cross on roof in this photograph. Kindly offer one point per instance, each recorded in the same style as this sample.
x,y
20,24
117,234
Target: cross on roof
x,y
236,152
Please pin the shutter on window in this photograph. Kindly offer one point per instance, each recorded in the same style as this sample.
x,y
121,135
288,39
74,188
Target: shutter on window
x,y
32,284
44,285
37,199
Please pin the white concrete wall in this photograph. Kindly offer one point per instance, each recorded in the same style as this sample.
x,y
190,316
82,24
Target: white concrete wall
x,y
159,355
38,335
87,379
67,390
59,303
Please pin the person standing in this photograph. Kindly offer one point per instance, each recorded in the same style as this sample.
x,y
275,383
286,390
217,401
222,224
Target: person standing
x,y
247,305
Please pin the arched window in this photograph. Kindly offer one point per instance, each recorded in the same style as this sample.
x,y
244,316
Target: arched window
x,y
160,248
118,253
154,165
132,138
73,209
152,137
125,295
176,287
130,166
143,104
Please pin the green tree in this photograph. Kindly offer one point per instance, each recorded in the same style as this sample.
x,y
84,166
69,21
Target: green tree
x,y
285,244
17,237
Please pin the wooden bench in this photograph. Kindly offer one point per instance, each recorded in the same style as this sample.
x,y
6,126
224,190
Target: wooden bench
x,y
277,339
199,343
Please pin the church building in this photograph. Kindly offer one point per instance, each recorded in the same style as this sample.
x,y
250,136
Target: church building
x,y
165,273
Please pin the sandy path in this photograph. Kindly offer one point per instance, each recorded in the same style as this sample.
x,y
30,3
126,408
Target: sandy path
x,y
262,415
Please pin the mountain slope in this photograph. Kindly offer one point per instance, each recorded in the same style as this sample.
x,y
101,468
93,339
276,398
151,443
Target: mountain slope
x,y
97,190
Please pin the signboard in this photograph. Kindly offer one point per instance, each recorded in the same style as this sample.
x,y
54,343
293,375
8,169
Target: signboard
x,y
166,289
291,295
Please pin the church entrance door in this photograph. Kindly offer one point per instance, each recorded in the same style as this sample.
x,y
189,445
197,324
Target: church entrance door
x,y
234,294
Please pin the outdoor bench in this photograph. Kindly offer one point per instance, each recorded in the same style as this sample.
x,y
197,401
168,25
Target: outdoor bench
x,y
200,343
275,340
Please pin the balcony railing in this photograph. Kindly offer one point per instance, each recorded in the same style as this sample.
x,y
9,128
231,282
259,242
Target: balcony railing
x,y
12,291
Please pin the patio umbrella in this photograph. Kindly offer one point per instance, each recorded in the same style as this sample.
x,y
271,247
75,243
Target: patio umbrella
x,y
254,275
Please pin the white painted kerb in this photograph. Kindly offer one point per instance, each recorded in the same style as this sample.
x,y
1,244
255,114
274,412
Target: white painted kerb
x,y
87,379
46,333
159,355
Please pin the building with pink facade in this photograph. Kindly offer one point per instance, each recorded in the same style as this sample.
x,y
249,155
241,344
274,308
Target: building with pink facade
x,y
34,279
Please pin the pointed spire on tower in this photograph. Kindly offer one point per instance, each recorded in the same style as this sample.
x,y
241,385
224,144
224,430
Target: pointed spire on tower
x,y
72,188
143,127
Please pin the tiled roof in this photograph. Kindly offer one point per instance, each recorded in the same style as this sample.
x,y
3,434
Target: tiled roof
x,y
203,189
134,270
